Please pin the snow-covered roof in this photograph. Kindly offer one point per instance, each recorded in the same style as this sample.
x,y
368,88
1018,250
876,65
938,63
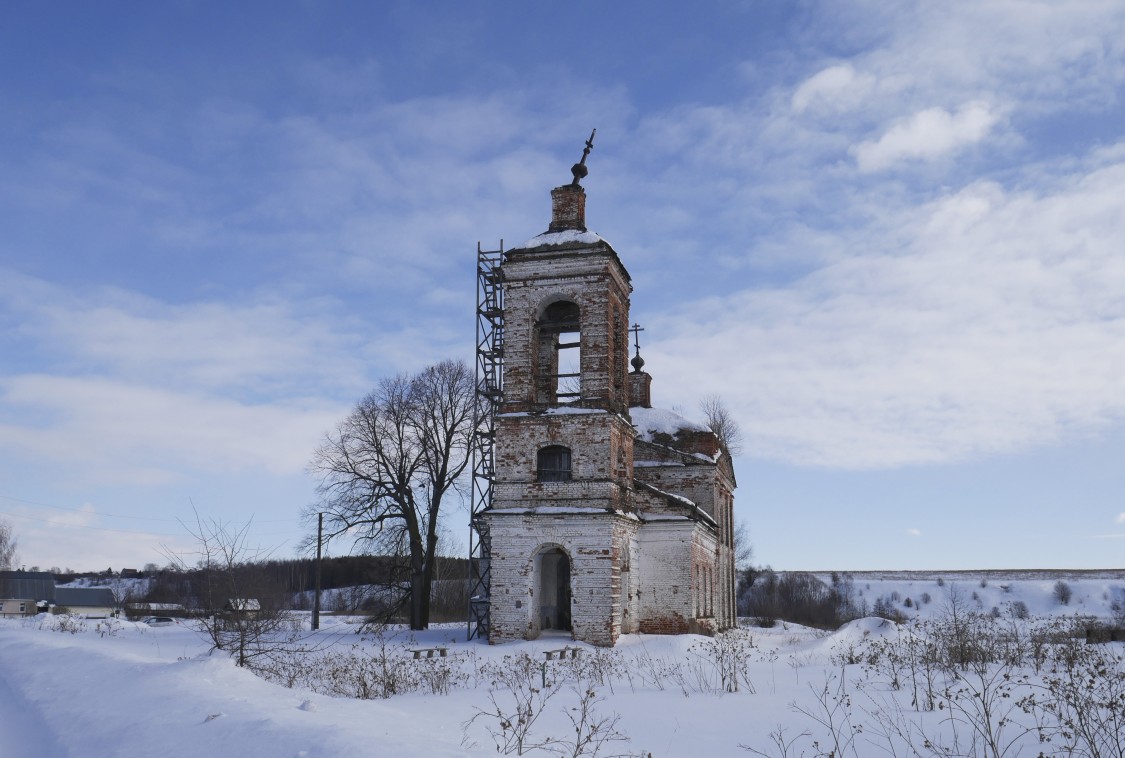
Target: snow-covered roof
x,y
678,500
653,421
564,510
27,585
565,237
155,606
561,509
84,597
565,410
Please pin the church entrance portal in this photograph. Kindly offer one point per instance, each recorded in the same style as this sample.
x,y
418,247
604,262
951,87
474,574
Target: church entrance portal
x,y
554,590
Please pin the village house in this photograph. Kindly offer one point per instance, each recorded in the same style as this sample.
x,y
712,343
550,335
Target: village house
x,y
25,593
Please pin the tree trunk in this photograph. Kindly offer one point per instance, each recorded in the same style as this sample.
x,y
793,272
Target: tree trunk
x,y
417,594
418,591
431,553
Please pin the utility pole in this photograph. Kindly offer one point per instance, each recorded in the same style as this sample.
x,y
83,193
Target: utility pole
x,y
316,601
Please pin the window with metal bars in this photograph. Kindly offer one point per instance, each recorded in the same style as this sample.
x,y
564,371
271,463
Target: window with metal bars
x,y
553,464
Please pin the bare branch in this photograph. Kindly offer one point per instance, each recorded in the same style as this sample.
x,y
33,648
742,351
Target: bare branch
x,y
389,466
722,422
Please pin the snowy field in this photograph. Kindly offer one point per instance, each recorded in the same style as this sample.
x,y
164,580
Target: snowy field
x,y
74,689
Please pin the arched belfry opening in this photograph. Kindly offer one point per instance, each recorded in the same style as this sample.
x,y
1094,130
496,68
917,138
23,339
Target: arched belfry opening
x,y
553,566
558,350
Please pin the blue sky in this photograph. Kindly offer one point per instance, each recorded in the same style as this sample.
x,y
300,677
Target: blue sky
x,y
889,235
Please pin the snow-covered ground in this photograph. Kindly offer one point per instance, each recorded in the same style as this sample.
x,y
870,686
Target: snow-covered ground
x,y
1091,592
94,689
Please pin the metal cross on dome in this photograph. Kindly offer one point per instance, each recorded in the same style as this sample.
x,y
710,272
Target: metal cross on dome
x,y
579,169
638,362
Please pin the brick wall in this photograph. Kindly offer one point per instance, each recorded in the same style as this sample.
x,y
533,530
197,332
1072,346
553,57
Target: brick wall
x,y
591,277
601,446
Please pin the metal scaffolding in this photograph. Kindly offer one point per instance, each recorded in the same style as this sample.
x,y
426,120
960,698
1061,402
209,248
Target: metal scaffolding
x,y
489,394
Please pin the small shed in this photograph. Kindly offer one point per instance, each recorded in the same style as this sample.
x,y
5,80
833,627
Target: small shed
x,y
90,602
239,611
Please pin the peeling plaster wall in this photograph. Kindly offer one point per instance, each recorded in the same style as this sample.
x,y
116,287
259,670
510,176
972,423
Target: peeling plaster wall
x,y
597,545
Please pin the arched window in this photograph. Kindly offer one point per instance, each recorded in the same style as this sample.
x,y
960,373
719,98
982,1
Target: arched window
x,y
559,359
553,464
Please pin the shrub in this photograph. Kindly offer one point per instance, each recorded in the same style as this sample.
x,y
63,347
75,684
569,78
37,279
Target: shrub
x,y
1062,592
798,597
884,608
908,603
1018,609
926,598
940,582
729,653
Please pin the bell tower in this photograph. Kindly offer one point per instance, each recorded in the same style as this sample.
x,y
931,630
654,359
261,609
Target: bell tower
x,y
566,316
566,383
562,493
598,514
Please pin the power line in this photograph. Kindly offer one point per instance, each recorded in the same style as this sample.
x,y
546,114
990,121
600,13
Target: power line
x,y
119,515
85,527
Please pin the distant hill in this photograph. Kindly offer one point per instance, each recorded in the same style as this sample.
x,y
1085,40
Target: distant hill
x,y
1098,593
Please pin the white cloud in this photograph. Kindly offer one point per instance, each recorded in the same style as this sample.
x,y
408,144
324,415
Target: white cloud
x,y
86,515
1120,518
257,343
109,430
986,321
926,81
1048,55
914,532
126,389
93,545
927,135
835,87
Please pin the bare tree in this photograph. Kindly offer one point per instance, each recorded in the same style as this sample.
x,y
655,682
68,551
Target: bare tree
x,y
1062,592
122,590
387,469
722,423
743,547
7,546
243,610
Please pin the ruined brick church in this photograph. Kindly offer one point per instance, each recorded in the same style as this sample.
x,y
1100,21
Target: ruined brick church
x,y
607,516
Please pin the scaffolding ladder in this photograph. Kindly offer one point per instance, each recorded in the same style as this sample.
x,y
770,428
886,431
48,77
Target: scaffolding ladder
x,y
489,394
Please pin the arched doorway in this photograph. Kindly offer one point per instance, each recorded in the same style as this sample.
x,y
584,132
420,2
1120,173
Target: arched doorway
x,y
554,590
